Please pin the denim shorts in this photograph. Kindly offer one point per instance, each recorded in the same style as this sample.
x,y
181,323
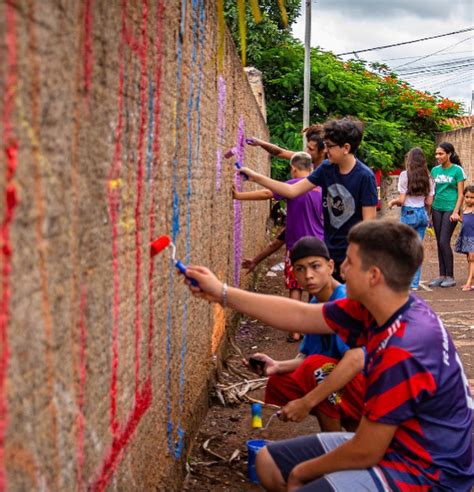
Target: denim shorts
x,y
414,216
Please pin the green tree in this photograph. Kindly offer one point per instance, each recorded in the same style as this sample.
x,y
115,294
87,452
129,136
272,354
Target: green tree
x,y
396,116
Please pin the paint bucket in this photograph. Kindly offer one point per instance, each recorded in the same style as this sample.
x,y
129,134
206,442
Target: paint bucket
x,y
253,447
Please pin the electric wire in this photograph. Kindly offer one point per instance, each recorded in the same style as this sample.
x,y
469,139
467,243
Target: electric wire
x,y
433,54
467,29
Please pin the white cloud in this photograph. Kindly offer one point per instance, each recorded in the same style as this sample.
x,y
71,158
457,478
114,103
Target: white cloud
x,y
351,25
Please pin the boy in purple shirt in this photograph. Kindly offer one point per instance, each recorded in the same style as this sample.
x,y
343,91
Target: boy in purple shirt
x,y
416,429
304,217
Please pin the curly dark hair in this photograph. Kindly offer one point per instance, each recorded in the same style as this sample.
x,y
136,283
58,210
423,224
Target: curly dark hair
x,y
315,133
419,179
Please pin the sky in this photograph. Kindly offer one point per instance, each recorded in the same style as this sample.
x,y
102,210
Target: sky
x,y
344,25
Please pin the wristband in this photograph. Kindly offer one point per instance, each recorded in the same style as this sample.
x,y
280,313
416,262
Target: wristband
x,y
224,295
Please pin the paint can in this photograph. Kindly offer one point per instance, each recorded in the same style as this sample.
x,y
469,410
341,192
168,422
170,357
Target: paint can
x,y
253,447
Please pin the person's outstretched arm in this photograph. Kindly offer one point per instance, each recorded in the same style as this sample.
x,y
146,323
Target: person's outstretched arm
x,y
283,189
272,149
252,195
273,366
251,264
345,371
399,201
280,312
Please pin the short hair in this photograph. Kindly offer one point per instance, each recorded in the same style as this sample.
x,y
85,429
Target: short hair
x,y
346,130
468,189
302,161
393,247
315,133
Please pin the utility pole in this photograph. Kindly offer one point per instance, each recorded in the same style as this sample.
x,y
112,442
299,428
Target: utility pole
x,y
307,67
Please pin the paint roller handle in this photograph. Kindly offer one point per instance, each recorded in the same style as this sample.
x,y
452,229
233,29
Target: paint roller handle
x,y
179,265
238,165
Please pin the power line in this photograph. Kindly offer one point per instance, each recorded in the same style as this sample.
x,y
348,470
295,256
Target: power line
x,y
436,66
406,42
432,54
416,56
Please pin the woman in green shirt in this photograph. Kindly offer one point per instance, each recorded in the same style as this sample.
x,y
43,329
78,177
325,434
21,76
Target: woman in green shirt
x,y
449,180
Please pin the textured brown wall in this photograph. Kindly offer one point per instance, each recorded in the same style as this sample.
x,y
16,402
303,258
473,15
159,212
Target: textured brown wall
x,y
463,141
81,99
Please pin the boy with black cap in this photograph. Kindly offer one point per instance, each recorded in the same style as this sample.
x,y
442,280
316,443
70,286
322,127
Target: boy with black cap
x,y
296,384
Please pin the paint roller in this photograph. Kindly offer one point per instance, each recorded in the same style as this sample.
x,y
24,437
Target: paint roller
x,y
231,153
163,242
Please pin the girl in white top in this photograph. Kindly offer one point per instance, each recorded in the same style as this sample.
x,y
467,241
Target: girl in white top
x,y
416,188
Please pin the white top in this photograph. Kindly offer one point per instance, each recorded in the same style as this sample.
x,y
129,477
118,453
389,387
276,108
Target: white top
x,y
410,200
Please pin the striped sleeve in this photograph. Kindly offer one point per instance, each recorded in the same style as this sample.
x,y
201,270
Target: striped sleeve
x,y
349,319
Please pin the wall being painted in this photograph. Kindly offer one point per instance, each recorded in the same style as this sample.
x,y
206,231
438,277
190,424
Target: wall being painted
x,y
114,122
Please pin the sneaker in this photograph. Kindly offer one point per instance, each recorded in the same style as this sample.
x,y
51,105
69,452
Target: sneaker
x,y
436,282
448,282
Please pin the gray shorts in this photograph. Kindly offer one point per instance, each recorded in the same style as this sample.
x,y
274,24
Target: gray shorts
x,y
289,453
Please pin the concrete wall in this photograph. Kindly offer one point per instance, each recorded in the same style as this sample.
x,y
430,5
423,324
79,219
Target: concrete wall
x,y
463,141
113,125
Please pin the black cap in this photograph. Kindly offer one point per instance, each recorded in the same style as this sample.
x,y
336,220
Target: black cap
x,y
308,246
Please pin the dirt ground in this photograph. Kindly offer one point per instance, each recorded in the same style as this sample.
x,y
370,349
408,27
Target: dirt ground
x,y
218,459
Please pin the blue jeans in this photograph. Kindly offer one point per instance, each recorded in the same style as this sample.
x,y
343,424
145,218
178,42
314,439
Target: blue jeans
x,y
416,218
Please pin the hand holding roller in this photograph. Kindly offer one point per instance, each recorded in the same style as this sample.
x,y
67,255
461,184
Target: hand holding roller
x,y
163,242
231,153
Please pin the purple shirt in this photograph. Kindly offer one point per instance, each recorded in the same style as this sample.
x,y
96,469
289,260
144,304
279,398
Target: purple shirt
x,y
304,215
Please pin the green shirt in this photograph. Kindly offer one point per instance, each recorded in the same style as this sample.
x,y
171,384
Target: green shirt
x,y
446,181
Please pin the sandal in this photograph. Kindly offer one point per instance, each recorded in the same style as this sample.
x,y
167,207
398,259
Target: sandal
x,y
467,288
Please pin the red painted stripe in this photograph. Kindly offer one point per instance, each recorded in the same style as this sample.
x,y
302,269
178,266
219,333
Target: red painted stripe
x,y
88,54
114,197
11,200
80,420
139,191
114,454
156,154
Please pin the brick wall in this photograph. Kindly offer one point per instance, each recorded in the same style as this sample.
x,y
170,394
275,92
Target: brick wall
x,y
114,115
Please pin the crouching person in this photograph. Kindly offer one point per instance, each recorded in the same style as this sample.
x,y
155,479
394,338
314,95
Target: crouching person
x,y
416,428
297,384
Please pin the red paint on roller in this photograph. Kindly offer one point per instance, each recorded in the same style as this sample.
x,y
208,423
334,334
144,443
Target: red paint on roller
x,y
159,245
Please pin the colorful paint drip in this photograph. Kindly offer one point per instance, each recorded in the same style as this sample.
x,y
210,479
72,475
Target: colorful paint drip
x,y
221,107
